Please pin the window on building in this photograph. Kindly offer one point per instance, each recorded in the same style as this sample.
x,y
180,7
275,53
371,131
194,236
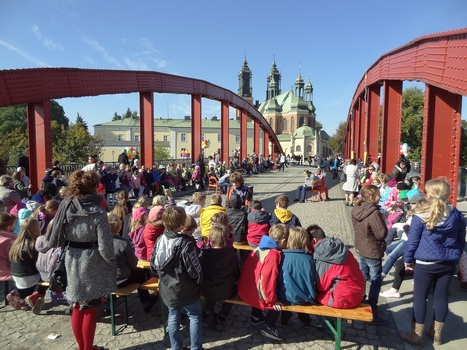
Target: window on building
x,y
284,124
120,137
237,138
203,136
298,149
165,138
292,124
136,138
308,148
218,137
183,137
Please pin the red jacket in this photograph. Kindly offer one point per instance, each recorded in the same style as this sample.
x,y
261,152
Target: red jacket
x,y
151,234
339,280
258,279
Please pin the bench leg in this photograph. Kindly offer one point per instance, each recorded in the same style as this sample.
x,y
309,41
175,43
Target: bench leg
x,y
112,315
336,331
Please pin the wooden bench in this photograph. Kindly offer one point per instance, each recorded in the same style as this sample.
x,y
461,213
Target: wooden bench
x,y
142,264
152,284
122,292
360,313
244,246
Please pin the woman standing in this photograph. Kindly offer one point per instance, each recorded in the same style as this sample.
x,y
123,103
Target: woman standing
x,y
436,241
351,184
89,260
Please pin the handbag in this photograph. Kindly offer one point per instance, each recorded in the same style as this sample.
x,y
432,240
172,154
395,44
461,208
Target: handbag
x,y
58,277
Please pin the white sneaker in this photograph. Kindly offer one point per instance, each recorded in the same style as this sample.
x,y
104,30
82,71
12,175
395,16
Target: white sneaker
x,y
390,294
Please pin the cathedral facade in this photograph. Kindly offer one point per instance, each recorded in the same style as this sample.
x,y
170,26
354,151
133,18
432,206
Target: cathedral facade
x,y
291,114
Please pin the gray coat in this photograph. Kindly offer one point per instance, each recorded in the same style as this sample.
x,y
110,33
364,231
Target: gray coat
x,y
91,272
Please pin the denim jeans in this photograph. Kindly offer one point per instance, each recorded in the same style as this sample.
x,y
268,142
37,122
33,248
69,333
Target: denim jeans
x,y
395,251
371,270
196,326
301,192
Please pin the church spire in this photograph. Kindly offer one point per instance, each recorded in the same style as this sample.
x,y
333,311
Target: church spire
x,y
273,90
245,81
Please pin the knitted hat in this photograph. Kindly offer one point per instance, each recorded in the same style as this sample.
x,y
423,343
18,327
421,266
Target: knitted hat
x,y
402,186
156,213
138,213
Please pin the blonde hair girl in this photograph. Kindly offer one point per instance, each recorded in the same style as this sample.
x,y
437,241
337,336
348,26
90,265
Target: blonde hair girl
x,y
435,208
298,239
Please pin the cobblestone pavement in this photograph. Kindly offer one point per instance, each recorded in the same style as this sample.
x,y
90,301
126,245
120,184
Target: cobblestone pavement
x,y
24,330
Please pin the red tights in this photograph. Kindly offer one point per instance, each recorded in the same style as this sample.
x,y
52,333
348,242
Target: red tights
x,y
83,323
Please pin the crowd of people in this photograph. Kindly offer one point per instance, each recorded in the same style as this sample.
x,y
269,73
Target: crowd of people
x,y
89,218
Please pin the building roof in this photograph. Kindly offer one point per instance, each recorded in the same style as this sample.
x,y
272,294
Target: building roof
x,y
324,135
288,102
303,132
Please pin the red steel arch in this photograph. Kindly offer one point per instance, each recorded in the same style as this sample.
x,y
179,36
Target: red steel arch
x,y
37,86
440,61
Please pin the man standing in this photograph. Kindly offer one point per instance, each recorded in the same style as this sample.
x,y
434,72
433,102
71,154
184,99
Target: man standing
x,y
23,161
123,158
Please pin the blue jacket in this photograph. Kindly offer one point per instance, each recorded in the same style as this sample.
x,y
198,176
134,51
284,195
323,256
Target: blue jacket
x,y
445,242
297,282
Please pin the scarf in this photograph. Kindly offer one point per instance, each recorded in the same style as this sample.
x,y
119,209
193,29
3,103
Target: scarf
x,y
74,206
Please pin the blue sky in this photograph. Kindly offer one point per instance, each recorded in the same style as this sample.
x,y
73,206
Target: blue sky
x,y
332,42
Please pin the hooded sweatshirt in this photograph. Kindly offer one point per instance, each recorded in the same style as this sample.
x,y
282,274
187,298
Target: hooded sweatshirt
x,y
237,218
284,216
340,283
258,226
370,230
258,279
206,215
179,270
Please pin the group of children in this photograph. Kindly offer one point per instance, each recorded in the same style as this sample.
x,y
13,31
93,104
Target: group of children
x,y
289,265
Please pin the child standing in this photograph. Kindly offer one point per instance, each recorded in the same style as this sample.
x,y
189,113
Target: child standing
x,y
283,215
153,228
220,272
370,233
258,223
296,284
258,280
180,277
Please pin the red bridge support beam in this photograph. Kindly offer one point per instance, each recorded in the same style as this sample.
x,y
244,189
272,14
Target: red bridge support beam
x,y
40,141
372,127
362,132
391,130
146,107
243,135
441,137
356,131
256,138
225,151
352,133
195,126
265,145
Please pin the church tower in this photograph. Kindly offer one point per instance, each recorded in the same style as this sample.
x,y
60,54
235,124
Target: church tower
x,y
273,87
245,89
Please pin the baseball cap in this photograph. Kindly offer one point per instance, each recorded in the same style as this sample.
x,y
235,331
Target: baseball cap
x,y
138,213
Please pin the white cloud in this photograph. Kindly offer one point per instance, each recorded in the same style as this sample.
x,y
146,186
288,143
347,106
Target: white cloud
x,y
37,61
105,55
47,42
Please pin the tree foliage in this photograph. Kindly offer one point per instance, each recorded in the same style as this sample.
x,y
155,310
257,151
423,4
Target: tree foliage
x,y
161,152
336,141
76,144
412,121
80,120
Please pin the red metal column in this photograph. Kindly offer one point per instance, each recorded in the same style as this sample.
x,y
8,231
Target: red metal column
x,y
265,145
372,138
352,133
243,135
356,131
391,129
195,126
40,141
363,129
441,137
256,137
225,151
146,108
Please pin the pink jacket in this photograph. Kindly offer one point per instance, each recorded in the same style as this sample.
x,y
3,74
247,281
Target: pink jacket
x,y
137,238
6,241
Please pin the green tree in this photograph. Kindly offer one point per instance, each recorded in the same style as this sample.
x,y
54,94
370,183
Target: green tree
x,y
116,117
318,126
412,121
76,144
463,151
161,153
336,141
80,120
